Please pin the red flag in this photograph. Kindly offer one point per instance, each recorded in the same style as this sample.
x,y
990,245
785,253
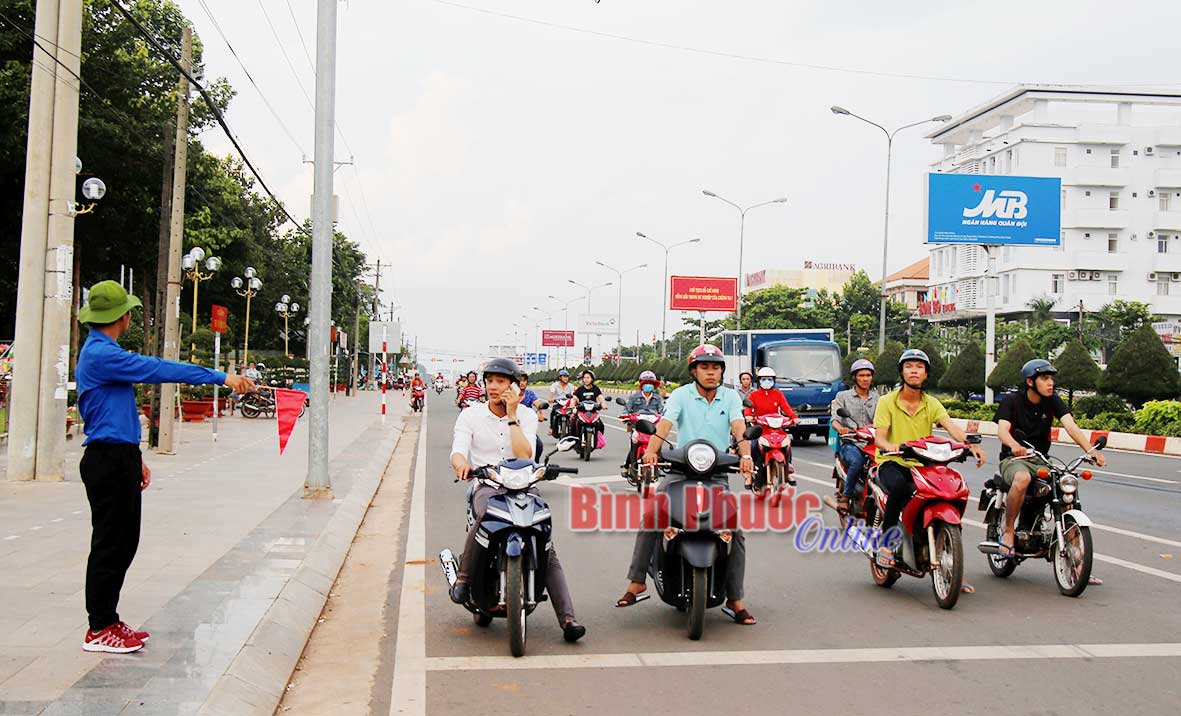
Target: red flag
x,y
288,403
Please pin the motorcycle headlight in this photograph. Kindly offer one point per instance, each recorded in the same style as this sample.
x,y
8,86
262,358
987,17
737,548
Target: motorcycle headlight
x,y
701,457
1068,484
516,479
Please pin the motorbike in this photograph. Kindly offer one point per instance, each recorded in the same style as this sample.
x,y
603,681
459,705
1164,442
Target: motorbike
x,y
262,402
562,412
690,564
417,399
584,428
439,387
509,581
931,534
773,476
863,437
635,474
1051,524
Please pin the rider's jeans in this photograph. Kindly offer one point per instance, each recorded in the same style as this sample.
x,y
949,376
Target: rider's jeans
x,y
854,461
647,540
555,578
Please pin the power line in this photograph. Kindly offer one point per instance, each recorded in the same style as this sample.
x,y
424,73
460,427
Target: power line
x,y
290,66
302,43
212,107
282,124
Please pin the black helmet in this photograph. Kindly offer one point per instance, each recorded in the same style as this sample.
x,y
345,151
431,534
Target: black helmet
x,y
502,366
1037,367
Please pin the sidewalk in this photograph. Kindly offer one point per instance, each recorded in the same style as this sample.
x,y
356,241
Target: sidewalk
x,y
225,530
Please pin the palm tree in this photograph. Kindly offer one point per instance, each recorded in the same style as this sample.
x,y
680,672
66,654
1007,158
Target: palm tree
x,y
1041,309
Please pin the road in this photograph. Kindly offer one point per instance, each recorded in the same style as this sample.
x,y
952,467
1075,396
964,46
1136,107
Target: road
x,y
827,638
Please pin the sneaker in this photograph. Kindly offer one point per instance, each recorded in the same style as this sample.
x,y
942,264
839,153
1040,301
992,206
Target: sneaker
x,y
126,630
111,641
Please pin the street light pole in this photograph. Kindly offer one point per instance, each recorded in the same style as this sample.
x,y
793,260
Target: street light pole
x,y
549,317
741,239
619,312
664,313
565,317
191,264
287,310
886,217
252,286
588,290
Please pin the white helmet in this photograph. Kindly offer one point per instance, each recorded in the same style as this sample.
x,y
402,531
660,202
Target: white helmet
x,y
766,372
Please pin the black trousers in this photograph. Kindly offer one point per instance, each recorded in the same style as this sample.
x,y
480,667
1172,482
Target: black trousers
x,y
899,485
112,473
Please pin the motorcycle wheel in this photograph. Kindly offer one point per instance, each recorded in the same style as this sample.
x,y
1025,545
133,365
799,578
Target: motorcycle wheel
x,y
882,576
249,409
947,580
697,603
588,444
1000,567
776,478
1072,560
481,620
514,601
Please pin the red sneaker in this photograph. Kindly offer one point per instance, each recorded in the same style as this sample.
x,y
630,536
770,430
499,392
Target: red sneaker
x,y
126,630
111,641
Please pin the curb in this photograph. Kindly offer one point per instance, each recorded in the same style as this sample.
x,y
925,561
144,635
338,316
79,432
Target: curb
x,y
257,678
1132,442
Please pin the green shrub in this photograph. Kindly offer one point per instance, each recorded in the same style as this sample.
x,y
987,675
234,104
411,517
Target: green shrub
x,y
1093,405
1159,417
1121,422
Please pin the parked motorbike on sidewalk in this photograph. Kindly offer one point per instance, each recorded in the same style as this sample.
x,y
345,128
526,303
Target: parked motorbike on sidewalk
x,y
636,475
1051,525
931,534
863,437
509,581
774,474
262,402
585,429
690,564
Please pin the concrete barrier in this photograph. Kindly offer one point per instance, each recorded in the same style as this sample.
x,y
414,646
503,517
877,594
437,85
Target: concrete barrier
x,y
1158,444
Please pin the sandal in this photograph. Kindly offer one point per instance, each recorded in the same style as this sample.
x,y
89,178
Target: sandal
x,y
885,558
1094,580
1007,551
743,617
630,599
967,588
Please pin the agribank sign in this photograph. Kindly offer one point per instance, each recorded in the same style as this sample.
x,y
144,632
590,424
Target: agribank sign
x,y
985,209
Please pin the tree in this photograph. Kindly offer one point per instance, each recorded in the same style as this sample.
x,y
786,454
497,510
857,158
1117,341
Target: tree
x,y
1041,309
1077,370
966,373
774,307
1142,369
886,366
1007,371
938,365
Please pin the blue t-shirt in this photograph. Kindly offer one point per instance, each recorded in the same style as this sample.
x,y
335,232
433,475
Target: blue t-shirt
x,y
529,398
697,418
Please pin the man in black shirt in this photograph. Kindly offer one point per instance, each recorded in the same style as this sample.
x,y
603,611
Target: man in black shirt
x,y
1031,411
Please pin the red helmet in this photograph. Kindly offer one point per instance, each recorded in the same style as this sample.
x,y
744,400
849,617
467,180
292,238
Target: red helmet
x,y
706,353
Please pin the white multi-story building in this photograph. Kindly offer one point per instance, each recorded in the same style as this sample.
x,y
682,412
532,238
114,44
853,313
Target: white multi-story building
x,y
1118,153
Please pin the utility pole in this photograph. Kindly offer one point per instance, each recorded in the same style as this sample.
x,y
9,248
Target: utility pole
x,y
356,345
22,411
317,483
171,307
376,316
1080,319
59,250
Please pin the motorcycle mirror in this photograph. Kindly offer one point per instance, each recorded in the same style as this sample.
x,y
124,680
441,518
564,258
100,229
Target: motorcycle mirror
x,y
747,403
973,439
621,401
842,413
754,432
645,427
1100,442
567,443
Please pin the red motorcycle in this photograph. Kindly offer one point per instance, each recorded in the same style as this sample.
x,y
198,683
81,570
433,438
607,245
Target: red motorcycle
x,y
636,475
774,475
563,410
863,438
584,427
417,399
932,540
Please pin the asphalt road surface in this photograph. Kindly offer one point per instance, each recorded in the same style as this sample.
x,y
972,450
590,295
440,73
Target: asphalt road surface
x,y
827,638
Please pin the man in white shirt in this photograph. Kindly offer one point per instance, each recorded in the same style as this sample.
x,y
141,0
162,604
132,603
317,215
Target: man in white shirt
x,y
486,434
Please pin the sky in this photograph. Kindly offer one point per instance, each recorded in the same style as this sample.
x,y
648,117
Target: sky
x,y
497,158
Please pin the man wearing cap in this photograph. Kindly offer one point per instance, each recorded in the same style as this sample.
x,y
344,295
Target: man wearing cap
x,y
112,468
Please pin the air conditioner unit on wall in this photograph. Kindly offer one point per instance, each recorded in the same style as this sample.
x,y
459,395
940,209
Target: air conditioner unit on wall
x,y
1152,276
1096,276
1072,276
1148,150
1151,192
1175,277
1151,234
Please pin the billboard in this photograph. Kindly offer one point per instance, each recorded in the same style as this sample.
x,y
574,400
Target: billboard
x,y
385,336
600,324
703,293
560,339
985,209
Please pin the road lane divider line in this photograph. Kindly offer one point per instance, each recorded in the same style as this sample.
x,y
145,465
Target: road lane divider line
x,y
1004,652
408,691
1144,569
1134,477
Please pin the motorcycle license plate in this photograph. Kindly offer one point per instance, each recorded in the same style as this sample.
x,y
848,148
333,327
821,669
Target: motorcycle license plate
x,y
809,421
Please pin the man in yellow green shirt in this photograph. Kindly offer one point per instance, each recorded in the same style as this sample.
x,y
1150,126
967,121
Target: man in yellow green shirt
x,y
907,414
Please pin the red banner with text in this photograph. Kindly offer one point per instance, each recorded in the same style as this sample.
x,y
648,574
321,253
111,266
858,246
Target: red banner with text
x,y
703,293
559,339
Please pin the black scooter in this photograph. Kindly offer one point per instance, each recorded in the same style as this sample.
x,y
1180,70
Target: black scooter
x,y
509,581
690,564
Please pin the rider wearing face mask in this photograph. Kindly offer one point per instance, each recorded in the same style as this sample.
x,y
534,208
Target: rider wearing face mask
x,y
646,400
769,400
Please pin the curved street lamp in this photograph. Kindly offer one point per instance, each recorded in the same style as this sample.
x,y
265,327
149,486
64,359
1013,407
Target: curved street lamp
x,y
190,264
619,313
886,220
287,309
664,314
248,288
741,233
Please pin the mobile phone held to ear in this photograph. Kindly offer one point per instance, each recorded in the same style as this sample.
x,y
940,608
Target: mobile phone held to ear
x,y
516,389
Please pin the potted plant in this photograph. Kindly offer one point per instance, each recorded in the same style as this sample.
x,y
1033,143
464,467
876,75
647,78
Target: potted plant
x,y
196,403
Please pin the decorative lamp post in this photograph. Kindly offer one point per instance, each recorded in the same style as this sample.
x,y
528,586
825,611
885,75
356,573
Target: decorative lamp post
x,y
248,288
287,309
190,263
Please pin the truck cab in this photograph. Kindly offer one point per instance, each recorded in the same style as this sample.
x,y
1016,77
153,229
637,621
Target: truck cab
x,y
807,364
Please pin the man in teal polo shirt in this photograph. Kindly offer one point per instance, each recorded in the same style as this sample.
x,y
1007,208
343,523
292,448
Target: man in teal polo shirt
x,y
703,410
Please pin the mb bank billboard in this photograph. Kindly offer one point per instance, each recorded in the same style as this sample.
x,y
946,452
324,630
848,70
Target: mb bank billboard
x,y
984,209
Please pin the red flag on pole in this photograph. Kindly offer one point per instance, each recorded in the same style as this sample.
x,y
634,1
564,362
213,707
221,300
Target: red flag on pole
x,y
288,404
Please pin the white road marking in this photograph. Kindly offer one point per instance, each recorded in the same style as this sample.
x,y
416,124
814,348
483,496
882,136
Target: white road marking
x,y
571,480
57,519
1144,569
1134,477
408,692
808,656
9,538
